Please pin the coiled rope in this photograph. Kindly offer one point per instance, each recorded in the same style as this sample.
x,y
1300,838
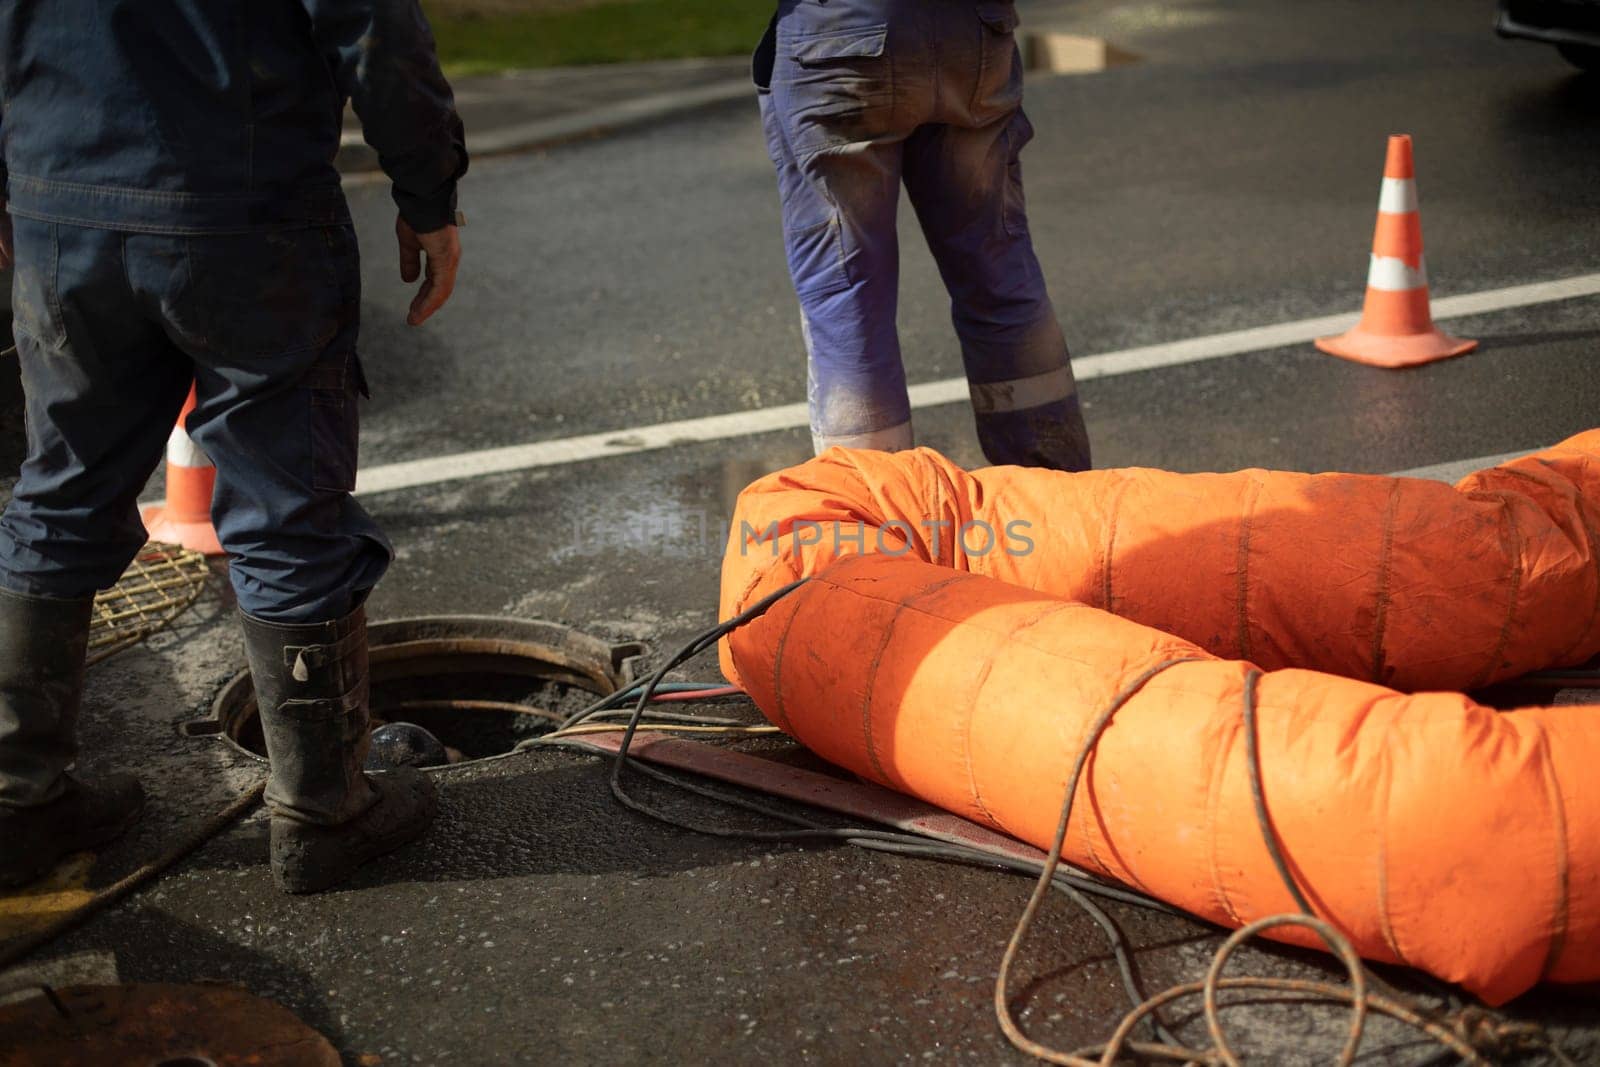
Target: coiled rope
x,y
1475,1035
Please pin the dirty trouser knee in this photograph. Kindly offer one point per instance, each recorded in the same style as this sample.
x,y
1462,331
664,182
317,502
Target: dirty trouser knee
x,y
827,111
839,237
861,94
111,329
1024,397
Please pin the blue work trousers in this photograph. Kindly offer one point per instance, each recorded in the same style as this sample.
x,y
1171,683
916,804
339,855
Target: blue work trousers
x,y
111,327
857,97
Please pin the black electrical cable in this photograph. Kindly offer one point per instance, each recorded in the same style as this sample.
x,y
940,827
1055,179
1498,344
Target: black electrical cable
x,y
1075,890
614,702
1075,886
657,715
605,703
1050,874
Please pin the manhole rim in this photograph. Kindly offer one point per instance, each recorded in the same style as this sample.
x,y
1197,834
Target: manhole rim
x,y
573,656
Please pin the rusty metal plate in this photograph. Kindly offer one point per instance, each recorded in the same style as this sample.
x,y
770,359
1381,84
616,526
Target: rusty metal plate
x,y
157,1025
845,796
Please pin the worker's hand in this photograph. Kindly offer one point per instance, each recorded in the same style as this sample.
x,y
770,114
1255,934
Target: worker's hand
x,y
442,247
6,258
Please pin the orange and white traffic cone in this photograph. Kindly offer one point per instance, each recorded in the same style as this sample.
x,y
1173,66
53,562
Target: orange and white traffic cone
x,y
185,518
1396,328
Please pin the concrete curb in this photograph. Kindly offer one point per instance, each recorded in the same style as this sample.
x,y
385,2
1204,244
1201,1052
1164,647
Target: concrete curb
x,y
356,156
1062,53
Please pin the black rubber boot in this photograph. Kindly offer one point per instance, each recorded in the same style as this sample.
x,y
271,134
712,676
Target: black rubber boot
x,y
45,813
328,817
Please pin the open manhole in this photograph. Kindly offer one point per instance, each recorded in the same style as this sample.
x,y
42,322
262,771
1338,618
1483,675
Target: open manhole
x,y
479,684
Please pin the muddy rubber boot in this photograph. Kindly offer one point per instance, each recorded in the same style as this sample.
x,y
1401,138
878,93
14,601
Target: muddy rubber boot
x,y
45,813
328,817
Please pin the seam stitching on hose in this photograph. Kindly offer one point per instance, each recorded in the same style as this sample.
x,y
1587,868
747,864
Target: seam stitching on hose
x,y
872,687
1108,545
1385,920
936,478
1577,498
1213,802
823,578
1156,664
1590,531
983,676
1514,581
1243,585
1385,560
1581,642
1558,812
777,676
1593,535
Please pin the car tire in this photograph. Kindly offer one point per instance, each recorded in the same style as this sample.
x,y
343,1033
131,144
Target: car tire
x,y
1582,56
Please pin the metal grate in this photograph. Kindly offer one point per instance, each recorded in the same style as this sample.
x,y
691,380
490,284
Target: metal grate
x,y
158,586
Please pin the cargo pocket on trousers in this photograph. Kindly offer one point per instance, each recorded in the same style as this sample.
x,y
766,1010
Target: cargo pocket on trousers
x,y
999,86
834,88
1014,213
816,258
35,302
334,384
811,234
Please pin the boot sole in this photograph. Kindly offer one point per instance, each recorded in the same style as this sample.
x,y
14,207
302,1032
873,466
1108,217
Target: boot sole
x,y
301,882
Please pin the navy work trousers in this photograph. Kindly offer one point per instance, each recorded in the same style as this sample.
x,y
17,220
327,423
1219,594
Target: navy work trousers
x,y
860,96
111,328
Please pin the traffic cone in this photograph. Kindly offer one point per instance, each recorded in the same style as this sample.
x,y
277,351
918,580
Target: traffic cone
x,y
185,518
1396,328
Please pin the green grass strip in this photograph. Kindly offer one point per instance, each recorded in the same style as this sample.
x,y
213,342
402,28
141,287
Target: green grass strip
x,y
616,31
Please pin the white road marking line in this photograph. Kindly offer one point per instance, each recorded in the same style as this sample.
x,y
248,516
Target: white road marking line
x,y
1282,335
1457,469
412,474
418,472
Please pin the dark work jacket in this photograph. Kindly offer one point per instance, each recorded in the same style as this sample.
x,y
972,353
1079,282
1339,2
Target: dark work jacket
x,y
219,116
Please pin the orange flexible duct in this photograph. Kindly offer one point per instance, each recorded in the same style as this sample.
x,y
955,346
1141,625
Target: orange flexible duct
x,y
1402,581
1432,831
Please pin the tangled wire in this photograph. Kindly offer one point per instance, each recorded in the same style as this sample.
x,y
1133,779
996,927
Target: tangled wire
x,y
1475,1035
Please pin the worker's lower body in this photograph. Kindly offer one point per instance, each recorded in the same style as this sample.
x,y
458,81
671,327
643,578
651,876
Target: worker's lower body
x,y
111,329
859,97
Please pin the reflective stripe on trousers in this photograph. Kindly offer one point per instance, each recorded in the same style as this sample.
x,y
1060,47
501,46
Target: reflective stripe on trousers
x,y
864,96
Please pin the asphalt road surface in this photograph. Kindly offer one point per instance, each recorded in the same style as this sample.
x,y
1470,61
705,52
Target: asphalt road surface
x,y
1227,180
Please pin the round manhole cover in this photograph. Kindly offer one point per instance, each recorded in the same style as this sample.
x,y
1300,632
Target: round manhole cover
x,y
159,1025
476,684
